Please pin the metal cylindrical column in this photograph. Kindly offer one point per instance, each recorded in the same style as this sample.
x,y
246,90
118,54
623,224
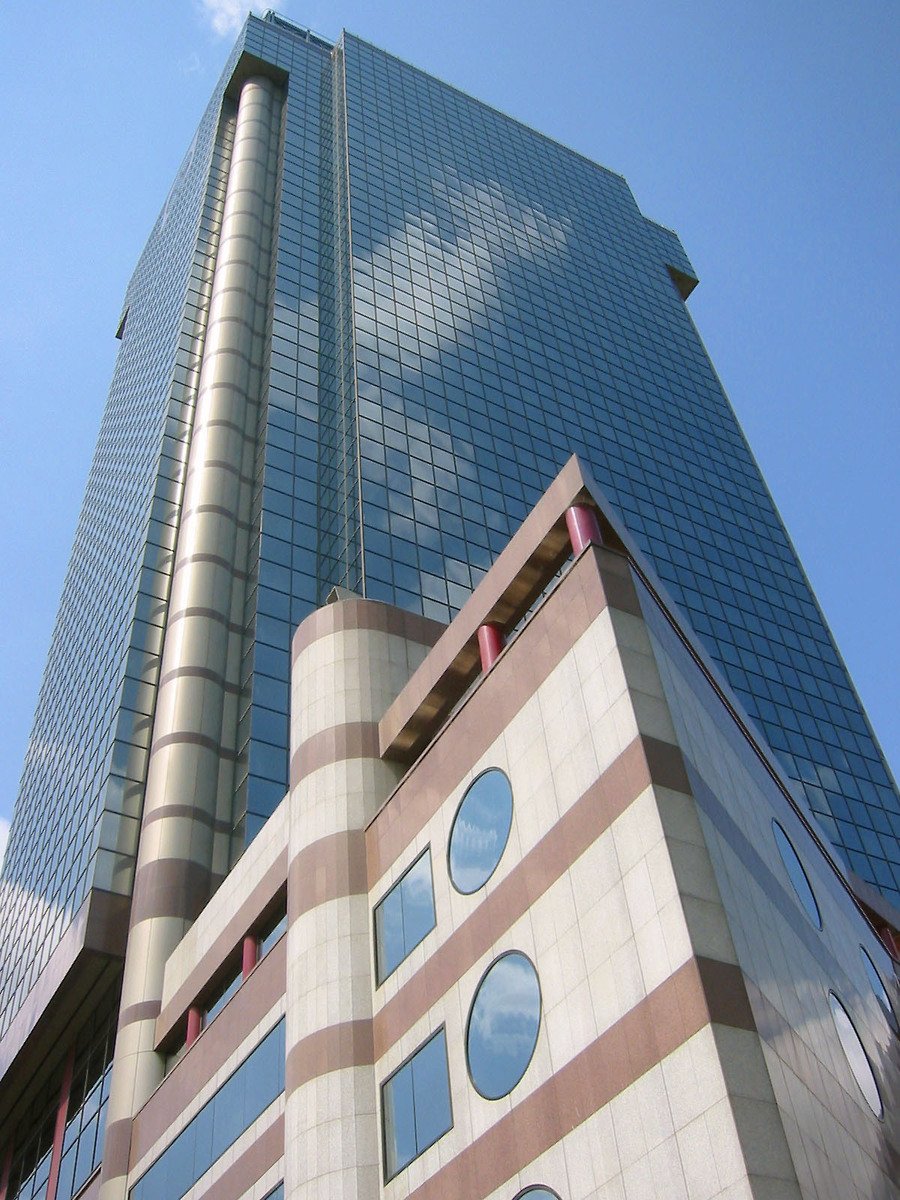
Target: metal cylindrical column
x,y
249,954
192,754
583,527
490,643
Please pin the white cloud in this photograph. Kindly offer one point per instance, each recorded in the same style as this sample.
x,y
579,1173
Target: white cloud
x,y
4,838
225,16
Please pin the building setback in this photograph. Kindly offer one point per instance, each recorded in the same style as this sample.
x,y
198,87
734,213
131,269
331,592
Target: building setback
x,y
572,882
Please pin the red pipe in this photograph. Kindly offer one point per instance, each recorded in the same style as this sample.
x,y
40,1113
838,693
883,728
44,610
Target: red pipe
x,y
583,527
490,643
59,1129
194,1025
249,955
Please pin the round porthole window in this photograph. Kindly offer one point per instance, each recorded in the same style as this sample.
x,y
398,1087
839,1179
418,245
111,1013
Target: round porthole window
x,y
503,1025
797,875
881,994
536,1192
856,1055
480,831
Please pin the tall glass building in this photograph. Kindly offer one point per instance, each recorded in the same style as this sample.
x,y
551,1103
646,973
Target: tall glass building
x,y
443,306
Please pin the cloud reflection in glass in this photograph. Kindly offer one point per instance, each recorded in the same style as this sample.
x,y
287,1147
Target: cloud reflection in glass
x,y
480,831
856,1055
503,1025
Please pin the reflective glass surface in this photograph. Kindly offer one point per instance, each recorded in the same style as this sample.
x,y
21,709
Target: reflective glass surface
x,y
404,916
239,1101
480,831
881,994
458,304
512,306
797,875
416,1105
537,1193
503,1025
856,1055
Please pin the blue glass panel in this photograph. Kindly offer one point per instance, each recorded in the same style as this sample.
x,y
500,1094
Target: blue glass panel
x,y
797,875
480,831
503,1025
416,1105
857,1058
881,994
239,1101
404,917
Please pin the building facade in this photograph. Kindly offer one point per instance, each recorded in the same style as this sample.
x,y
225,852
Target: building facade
x,y
373,321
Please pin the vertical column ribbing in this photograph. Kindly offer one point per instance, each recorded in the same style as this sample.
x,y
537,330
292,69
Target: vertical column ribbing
x,y
193,751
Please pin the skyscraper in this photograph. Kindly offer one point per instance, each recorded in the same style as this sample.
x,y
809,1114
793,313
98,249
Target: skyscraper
x,y
372,322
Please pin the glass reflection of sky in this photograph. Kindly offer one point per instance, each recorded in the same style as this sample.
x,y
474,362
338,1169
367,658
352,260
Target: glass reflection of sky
x,y
417,1107
404,916
480,831
537,1193
856,1055
797,875
503,1025
879,989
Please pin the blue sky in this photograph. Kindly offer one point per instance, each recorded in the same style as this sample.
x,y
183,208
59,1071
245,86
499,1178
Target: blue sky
x,y
764,132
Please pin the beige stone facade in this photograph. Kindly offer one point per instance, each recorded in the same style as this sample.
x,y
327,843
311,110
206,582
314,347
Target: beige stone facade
x,y
685,1046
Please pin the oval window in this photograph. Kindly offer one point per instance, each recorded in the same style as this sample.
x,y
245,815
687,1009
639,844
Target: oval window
x,y
503,1025
881,994
797,875
856,1055
480,831
536,1192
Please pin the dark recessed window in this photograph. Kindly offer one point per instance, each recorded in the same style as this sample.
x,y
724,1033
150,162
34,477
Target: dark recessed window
x,y
480,831
881,994
404,917
536,1192
503,1025
856,1055
797,875
415,1105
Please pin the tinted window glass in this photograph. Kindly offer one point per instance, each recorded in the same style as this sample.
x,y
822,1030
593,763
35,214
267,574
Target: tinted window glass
x,y
480,831
879,989
503,1025
235,1106
404,916
537,1193
416,1105
856,1055
797,875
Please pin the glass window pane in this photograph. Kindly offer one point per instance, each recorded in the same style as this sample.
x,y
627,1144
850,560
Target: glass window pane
x,y
416,1105
399,1121
480,831
417,897
856,1055
797,875
503,1025
404,916
879,989
431,1092
389,934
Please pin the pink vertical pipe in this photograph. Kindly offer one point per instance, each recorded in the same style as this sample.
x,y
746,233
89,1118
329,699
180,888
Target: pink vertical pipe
x,y
490,643
59,1129
249,955
583,527
194,1025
